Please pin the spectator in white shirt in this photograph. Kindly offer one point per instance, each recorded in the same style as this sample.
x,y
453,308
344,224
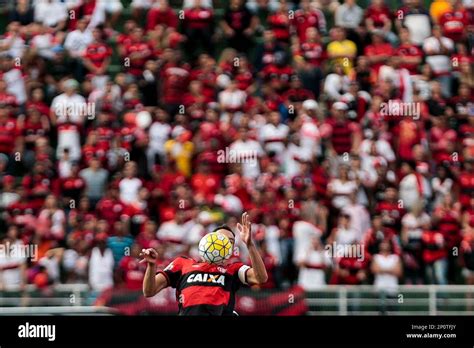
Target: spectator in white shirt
x,y
14,79
101,265
340,188
343,234
69,105
174,234
438,49
305,230
130,185
51,13
273,134
359,217
159,133
77,40
336,84
247,152
312,266
387,269
232,99
12,43
12,265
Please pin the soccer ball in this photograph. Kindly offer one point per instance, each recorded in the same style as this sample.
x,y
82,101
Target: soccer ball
x,y
215,248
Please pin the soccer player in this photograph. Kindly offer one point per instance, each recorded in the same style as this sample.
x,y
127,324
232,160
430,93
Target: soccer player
x,y
203,288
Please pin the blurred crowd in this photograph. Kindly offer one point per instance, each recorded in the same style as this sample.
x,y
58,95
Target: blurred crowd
x,y
344,128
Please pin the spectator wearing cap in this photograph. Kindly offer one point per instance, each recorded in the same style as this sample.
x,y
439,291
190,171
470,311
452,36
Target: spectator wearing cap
x,y
344,135
66,107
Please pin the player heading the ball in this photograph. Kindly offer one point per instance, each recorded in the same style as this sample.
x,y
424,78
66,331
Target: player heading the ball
x,y
207,287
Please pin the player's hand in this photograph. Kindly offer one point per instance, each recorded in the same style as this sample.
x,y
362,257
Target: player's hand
x,y
149,255
245,229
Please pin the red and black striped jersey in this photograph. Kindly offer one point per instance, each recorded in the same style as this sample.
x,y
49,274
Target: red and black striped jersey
x,y
203,288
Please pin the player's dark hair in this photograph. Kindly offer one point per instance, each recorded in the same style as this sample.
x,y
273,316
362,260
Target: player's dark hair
x,y
223,227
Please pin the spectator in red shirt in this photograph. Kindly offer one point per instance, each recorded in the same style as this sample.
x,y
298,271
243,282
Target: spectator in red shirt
x,y
454,22
279,22
435,257
350,270
130,270
8,131
379,51
97,54
310,49
379,17
307,17
175,79
199,28
136,52
162,14
447,220
411,54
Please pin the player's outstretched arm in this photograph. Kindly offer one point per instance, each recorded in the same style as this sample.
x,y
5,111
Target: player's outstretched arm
x,y
257,274
152,283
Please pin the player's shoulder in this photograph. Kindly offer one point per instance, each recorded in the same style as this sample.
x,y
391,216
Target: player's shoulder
x,y
234,267
179,262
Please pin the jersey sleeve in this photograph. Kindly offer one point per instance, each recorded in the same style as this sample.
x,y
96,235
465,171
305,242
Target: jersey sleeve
x,y
173,272
239,271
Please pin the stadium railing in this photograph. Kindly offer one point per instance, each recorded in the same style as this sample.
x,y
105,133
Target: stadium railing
x,y
406,300
77,299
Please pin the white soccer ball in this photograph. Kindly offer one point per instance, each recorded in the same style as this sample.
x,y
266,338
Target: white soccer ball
x,y
215,248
